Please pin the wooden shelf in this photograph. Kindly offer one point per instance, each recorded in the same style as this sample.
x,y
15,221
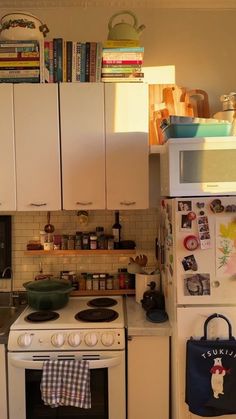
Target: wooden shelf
x,y
79,252
103,292
155,149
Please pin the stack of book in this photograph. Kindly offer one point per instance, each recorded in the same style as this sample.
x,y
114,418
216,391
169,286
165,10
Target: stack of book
x,y
122,61
21,62
72,61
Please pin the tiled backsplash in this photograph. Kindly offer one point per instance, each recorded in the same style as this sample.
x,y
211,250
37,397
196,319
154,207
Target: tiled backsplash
x,y
138,225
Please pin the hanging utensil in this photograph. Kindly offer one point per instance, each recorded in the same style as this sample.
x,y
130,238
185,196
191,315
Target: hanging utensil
x,y
49,228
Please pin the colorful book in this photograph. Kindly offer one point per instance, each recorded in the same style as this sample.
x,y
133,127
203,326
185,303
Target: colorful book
x,y
74,60
12,56
20,80
118,43
99,62
20,63
124,49
122,56
69,61
130,70
123,75
121,65
87,59
92,61
19,73
123,62
122,80
59,59
83,62
64,59
78,61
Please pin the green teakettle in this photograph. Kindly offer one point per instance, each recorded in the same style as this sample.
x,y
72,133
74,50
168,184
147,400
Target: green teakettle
x,y
124,30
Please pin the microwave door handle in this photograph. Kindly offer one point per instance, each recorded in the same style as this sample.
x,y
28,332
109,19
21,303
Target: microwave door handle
x,y
38,365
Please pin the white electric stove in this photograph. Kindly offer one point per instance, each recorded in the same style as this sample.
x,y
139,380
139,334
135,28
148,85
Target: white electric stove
x,y
69,337
104,328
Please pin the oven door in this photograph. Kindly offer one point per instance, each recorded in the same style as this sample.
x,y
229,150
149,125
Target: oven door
x,y
107,386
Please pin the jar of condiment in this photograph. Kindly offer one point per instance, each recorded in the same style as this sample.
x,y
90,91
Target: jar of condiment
x,y
99,231
110,242
64,242
116,285
89,282
95,281
93,242
85,241
78,240
71,242
109,283
82,281
102,281
102,242
122,275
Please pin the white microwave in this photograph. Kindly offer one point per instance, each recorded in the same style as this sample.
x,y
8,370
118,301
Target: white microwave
x,y
198,166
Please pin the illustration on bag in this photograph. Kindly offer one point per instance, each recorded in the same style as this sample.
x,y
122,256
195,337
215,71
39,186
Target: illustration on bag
x,y
217,379
211,371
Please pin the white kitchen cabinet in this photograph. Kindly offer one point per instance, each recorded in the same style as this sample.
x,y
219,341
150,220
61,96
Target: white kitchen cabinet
x,y
37,147
127,153
7,154
82,145
148,377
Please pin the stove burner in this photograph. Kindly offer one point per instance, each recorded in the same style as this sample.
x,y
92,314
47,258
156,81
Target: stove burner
x,y
102,302
42,316
97,315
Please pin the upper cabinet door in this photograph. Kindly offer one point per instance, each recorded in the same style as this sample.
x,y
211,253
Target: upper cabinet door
x,y
37,147
127,176
82,145
7,154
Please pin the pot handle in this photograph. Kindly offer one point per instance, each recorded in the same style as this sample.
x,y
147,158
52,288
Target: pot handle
x,y
123,12
44,29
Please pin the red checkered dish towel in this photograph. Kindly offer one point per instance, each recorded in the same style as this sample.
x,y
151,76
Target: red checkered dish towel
x,y
66,383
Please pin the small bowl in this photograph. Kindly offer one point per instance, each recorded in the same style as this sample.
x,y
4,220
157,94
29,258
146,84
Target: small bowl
x,y
156,316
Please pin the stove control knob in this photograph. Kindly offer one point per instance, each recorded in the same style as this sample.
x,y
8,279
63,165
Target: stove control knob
x,y
74,339
25,340
91,339
58,339
108,339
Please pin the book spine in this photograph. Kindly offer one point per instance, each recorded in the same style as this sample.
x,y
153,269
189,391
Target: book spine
x,y
122,56
51,78
12,56
123,62
121,43
19,80
99,62
87,59
64,60
121,66
92,61
122,69
19,43
78,61
55,60
124,75
42,61
59,60
122,80
83,62
69,61
19,73
20,63
74,58
124,50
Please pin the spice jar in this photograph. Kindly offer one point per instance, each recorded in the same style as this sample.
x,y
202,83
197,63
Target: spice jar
x,y
110,242
78,240
64,242
109,283
82,281
93,242
89,282
102,281
122,275
95,281
85,241
71,242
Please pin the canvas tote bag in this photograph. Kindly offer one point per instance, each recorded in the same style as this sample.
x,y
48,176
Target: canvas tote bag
x,y
211,374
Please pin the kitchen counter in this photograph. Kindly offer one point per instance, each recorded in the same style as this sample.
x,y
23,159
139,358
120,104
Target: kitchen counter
x,y
138,325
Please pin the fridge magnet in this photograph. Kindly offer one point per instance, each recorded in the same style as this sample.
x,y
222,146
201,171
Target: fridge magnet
x,y
225,247
204,233
191,215
184,206
197,284
189,263
230,208
191,242
200,205
216,206
186,223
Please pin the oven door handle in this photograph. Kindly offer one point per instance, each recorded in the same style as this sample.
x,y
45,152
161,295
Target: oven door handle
x,y
38,365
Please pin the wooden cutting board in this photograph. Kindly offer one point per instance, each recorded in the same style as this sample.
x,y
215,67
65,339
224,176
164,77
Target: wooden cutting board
x,y
198,99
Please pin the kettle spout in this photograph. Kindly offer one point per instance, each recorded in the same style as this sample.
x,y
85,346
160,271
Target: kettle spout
x,y
141,28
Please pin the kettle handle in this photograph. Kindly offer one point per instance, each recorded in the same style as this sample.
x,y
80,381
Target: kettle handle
x,y
122,12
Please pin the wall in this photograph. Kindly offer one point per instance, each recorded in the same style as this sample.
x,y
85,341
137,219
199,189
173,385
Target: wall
x,y
139,225
200,43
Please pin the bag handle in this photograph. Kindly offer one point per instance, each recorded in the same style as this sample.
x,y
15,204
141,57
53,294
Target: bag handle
x,y
231,337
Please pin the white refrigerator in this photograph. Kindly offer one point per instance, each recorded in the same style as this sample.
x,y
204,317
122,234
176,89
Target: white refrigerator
x,y
198,257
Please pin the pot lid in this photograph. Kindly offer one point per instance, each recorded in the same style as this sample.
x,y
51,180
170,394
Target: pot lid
x,y
48,285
